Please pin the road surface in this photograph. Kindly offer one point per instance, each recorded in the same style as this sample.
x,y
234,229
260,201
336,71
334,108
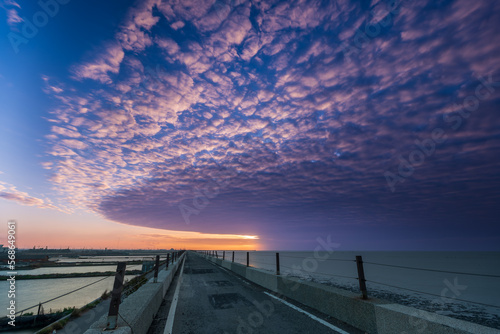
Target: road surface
x,y
205,298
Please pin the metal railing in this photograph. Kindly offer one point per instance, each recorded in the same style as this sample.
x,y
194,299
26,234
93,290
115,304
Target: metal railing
x,y
360,264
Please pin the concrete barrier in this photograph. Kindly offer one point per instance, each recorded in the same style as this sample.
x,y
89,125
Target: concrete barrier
x,y
240,269
138,310
262,278
374,316
226,264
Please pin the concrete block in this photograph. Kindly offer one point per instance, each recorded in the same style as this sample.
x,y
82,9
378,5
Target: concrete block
x,y
239,269
394,318
226,264
340,304
138,309
263,278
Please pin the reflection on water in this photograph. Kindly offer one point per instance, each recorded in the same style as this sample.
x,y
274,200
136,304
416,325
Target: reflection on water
x,y
68,270
105,258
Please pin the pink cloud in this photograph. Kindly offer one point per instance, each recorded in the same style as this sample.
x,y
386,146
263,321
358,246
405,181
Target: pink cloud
x,y
168,45
10,193
99,69
13,17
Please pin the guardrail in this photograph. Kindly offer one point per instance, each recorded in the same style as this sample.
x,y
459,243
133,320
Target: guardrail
x,y
135,314
125,288
361,278
372,315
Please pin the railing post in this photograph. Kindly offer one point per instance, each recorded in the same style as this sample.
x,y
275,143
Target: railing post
x,y
116,296
277,263
223,255
216,254
168,259
38,313
361,276
157,266
233,256
248,259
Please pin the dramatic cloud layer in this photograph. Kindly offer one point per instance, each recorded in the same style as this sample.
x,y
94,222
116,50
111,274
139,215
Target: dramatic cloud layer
x,y
304,116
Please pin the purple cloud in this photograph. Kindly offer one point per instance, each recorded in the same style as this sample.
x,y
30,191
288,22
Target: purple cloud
x,y
263,93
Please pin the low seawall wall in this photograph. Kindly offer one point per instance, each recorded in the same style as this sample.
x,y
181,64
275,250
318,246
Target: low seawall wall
x,y
140,308
374,316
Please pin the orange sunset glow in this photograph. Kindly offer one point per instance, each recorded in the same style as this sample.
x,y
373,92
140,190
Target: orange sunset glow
x,y
49,228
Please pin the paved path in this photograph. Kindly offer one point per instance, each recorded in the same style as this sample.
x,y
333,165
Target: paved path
x,y
209,299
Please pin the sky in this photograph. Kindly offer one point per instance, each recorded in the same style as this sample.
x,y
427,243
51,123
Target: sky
x,y
231,124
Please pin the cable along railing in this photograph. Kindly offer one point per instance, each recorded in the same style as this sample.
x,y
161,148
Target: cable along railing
x,y
361,279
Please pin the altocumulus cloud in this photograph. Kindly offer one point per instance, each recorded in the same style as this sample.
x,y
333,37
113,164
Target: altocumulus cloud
x,y
11,193
258,95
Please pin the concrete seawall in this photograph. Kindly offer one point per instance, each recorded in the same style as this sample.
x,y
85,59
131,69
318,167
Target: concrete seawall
x,y
140,308
373,316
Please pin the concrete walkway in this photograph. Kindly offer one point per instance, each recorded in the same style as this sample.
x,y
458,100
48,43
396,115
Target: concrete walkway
x,y
209,299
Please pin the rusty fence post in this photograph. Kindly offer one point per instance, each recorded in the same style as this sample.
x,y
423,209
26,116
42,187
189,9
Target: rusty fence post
x,y
116,296
157,266
277,263
39,309
361,276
